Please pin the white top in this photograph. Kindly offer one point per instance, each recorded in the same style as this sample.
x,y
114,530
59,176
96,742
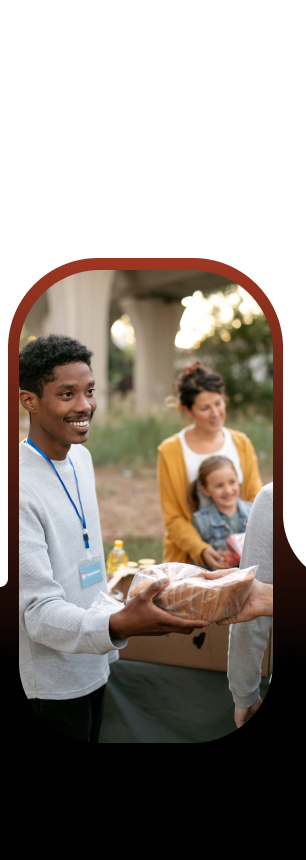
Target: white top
x,y
65,644
193,461
64,465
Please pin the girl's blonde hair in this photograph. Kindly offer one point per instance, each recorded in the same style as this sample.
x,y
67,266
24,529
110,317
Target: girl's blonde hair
x,y
209,465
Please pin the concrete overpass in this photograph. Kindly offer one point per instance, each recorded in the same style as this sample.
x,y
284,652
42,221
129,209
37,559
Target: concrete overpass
x,y
85,306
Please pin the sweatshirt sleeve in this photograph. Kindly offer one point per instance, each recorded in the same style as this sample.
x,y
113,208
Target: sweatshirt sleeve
x,y
45,613
180,529
247,641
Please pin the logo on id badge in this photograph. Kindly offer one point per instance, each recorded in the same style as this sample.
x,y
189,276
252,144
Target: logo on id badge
x,y
90,572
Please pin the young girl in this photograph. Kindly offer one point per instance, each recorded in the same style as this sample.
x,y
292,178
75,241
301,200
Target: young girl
x,y
225,513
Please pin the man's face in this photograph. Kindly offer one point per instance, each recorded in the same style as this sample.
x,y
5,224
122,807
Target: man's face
x,y
67,405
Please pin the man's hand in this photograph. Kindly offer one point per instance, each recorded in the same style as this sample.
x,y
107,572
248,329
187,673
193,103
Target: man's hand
x,y
140,617
259,602
214,559
242,715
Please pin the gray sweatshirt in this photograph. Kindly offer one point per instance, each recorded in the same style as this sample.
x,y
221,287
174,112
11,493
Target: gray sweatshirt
x,y
65,646
247,641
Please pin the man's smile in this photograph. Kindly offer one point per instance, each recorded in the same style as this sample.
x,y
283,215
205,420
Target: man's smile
x,y
82,423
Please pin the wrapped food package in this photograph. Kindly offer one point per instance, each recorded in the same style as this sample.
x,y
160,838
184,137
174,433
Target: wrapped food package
x,y
234,546
190,595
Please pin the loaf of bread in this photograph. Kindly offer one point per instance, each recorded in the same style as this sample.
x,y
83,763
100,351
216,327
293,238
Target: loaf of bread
x,y
190,595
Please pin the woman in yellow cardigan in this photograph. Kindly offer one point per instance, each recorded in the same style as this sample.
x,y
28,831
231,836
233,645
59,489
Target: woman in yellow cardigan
x,y
201,396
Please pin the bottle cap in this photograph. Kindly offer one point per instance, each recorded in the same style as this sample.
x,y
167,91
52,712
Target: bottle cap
x,y
118,543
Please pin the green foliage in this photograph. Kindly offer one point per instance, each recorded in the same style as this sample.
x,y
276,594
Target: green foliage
x,y
259,430
236,359
120,368
139,547
127,439
233,359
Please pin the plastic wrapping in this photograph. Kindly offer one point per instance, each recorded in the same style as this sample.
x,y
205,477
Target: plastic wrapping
x,y
107,601
190,595
234,547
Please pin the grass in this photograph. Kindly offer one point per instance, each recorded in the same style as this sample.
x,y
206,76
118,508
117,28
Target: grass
x,y
139,547
126,439
129,439
259,429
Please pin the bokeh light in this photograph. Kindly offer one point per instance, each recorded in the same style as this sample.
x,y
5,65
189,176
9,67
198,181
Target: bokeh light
x,y
122,333
202,318
217,314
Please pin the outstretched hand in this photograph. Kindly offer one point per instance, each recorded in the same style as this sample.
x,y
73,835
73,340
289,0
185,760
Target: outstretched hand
x,y
258,603
140,616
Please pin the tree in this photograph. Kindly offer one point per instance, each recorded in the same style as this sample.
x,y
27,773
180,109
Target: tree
x,y
120,368
237,344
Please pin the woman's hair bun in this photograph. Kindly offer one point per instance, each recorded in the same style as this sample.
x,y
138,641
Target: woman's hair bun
x,y
190,369
194,379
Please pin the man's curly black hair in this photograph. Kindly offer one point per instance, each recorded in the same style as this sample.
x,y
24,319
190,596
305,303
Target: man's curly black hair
x,y
39,357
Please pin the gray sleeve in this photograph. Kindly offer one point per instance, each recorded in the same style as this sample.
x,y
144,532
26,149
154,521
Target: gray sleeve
x,y
247,641
46,615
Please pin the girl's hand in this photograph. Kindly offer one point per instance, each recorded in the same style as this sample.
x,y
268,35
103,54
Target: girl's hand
x,y
214,559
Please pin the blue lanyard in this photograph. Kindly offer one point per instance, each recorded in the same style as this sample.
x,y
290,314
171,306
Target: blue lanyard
x,y
82,518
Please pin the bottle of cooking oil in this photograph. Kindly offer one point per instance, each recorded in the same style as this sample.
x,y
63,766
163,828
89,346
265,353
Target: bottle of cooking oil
x,y
116,558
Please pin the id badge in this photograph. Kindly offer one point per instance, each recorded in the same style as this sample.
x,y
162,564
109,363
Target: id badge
x,y
90,571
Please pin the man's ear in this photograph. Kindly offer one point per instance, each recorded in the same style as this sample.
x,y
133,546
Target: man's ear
x,y
29,401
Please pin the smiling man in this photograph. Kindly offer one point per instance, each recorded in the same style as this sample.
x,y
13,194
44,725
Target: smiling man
x,y
66,642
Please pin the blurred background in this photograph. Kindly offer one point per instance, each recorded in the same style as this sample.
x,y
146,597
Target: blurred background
x,y
143,328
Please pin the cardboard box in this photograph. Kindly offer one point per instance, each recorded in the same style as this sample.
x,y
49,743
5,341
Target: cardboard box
x,y
121,581
202,649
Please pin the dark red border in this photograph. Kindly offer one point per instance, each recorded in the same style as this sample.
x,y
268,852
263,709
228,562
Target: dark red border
x,y
288,648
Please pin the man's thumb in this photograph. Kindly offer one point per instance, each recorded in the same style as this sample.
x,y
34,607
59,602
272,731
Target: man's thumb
x,y
158,585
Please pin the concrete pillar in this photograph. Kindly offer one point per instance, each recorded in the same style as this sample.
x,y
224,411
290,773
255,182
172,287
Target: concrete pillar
x,y
155,323
78,306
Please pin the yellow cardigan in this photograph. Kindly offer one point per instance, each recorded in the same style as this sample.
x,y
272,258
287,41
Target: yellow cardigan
x,y
182,542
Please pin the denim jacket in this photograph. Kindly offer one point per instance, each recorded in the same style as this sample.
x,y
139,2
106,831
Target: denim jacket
x,y
213,528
